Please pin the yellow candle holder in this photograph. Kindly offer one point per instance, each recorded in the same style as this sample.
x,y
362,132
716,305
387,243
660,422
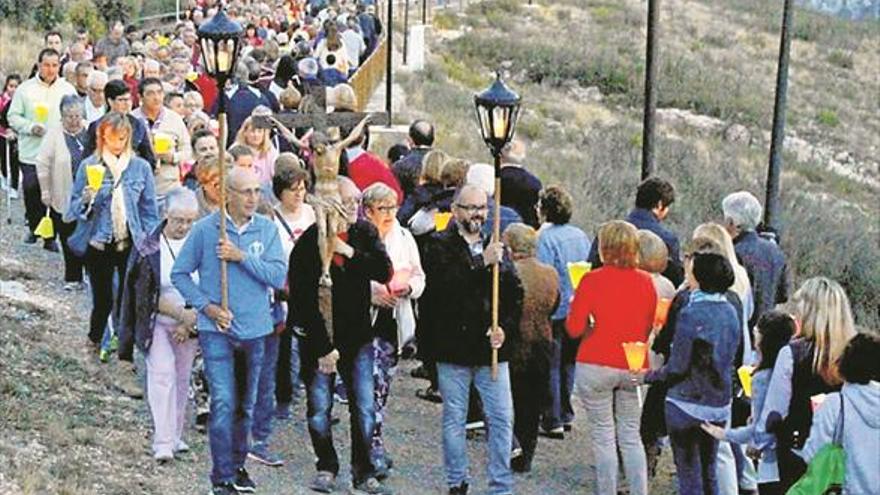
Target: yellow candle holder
x,y
162,143
576,272
95,176
41,113
635,352
441,220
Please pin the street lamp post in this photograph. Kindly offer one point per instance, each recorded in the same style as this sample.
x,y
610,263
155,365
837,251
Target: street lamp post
x,y
220,40
497,110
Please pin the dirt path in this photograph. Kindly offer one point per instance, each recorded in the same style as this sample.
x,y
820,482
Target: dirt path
x,y
64,430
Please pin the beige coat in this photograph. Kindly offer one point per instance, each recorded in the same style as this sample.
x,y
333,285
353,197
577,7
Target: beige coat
x,y
54,169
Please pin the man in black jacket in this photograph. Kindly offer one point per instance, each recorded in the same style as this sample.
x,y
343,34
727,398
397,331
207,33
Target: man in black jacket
x,y
456,310
347,340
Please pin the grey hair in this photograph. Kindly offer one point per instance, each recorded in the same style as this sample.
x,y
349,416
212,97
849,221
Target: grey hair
x,y
181,198
114,73
376,193
743,210
68,101
96,76
152,64
69,68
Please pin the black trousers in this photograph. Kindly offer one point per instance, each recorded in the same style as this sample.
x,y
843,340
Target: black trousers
x,y
528,385
11,168
106,298
34,209
73,264
283,384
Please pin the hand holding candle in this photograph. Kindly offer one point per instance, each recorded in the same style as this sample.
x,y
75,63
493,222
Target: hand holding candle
x,y
636,353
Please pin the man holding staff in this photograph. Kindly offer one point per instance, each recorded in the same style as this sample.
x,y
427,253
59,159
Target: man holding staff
x,y
232,340
456,311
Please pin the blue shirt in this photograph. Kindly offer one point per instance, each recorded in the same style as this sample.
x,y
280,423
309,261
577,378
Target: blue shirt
x,y
250,281
559,245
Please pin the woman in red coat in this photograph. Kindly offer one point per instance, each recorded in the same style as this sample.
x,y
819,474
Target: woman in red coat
x,y
613,305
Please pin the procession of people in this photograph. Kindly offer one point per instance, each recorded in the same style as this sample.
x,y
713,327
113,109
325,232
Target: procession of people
x,y
328,264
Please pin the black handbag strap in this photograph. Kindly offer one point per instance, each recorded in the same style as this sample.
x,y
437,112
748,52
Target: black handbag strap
x,y
284,223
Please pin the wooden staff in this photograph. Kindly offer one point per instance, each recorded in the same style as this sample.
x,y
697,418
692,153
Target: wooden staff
x,y
221,156
496,268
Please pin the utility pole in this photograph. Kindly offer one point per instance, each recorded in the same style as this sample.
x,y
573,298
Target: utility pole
x,y
650,94
389,36
405,30
774,170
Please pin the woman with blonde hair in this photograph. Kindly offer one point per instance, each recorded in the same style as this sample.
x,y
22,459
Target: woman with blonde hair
x,y
620,301
112,219
260,141
805,370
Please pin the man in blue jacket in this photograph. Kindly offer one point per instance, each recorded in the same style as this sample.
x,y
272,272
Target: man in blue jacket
x,y
654,196
232,340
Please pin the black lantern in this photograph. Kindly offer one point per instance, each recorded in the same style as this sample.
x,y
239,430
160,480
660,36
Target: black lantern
x,y
497,112
219,40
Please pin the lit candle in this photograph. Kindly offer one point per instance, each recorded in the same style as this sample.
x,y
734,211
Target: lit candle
x,y
223,61
498,129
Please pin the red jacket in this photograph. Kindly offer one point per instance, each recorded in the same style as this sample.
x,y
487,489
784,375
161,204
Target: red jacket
x,y
367,169
622,303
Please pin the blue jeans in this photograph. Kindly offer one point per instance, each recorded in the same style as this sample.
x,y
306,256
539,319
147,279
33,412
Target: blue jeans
x,y
264,409
695,453
232,367
357,374
455,384
562,371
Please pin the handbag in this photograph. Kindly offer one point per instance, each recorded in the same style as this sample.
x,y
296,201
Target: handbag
x,y
826,472
78,242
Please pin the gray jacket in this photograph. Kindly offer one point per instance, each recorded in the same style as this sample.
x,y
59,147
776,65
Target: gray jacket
x,y
861,435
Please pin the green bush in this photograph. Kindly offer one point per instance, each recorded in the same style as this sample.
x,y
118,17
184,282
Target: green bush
x,y
841,59
828,118
84,14
48,15
17,11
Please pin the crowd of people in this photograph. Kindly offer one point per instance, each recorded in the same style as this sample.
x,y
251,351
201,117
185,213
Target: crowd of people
x,y
117,144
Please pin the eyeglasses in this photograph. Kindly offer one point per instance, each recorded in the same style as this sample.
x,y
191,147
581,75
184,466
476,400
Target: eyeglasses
x,y
472,208
385,209
255,191
96,90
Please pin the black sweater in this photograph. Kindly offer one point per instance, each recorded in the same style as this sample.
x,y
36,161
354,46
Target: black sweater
x,y
455,308
351,292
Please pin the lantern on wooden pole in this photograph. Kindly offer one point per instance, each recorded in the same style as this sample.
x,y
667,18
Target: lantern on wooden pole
x,y
220,40
497,111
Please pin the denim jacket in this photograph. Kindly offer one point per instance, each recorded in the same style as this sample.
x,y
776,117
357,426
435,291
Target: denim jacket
x,y
559,245
700,365
140,202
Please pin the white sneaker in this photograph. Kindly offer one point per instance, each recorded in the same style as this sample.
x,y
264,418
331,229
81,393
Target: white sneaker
x,y
162,457
181,447
13,193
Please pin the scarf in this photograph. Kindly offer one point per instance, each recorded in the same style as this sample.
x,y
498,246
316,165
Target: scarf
x,y
117,165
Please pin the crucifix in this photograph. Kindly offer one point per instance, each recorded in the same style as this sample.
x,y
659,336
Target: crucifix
x,y
330,213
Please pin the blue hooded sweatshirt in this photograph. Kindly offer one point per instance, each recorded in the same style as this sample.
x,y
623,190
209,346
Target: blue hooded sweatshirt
x,y
250,281
861,435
